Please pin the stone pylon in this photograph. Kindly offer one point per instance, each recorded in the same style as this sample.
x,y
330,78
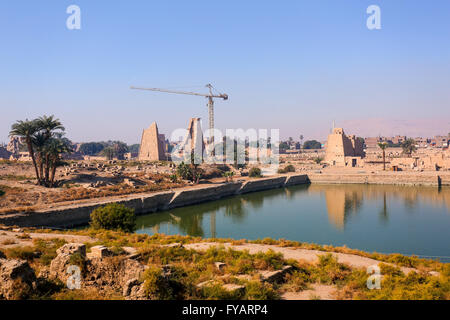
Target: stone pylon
x,y
193,142
152,145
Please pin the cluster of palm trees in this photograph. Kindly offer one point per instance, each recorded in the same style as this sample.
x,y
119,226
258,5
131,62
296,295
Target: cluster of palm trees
x,y
44,140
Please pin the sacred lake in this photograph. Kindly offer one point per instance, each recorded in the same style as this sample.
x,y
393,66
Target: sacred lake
x,y
382,218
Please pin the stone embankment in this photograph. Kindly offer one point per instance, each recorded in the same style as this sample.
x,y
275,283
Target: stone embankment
x,y
79,214
388,178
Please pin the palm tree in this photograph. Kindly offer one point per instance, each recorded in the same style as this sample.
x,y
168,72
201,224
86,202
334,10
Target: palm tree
x,y
26,130
383,146
55,147
48,125
409,146
39,140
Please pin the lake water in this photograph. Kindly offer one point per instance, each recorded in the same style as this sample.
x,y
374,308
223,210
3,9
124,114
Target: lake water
x,y
387,219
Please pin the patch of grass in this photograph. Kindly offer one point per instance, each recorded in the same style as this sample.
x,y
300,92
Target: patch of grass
x,y
156,286
23,236
85,294
8,242
13,177
330,271
44,251
21,253
260,291
217,292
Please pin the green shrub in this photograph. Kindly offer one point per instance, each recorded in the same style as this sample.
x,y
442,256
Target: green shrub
x,y
114,216
287,169
260,291
184,171
255,173
318,160
156,286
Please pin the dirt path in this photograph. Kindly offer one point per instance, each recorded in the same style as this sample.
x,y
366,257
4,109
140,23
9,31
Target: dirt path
x,y
311,256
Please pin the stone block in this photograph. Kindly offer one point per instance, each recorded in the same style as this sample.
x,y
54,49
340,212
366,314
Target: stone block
x,y
100,252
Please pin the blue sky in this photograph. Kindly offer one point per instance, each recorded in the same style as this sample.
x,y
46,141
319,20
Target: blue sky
x,y
293,65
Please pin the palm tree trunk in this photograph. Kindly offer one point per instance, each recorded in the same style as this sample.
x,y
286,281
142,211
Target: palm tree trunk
x,y
41,165
384,160
47,167
52,177
31,152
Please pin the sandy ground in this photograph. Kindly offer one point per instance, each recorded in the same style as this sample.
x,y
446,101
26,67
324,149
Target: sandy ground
x,y
316,291
311,256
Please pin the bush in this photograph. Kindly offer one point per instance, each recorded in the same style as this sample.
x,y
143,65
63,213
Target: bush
x,y
287,169
255,173
318,160
114,216
156,286
184,172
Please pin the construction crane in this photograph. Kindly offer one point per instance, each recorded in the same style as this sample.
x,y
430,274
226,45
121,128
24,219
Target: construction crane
x,y
210,104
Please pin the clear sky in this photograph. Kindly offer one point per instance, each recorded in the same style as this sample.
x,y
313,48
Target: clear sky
x,y
294,65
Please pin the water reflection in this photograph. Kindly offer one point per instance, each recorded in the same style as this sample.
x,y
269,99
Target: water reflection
x,y
380,217
342,203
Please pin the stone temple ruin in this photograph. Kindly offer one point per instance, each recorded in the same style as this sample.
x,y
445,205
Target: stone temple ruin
x,y
152,145
343,150
193,142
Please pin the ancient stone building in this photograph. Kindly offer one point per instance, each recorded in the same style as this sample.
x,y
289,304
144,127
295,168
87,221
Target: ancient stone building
x,y
193,143
152,145
13,145
343,150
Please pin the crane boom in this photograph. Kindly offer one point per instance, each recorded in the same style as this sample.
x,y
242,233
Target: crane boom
x,y
222,96
210,105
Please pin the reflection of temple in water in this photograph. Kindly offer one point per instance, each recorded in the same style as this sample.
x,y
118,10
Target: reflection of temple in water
x,y
341,203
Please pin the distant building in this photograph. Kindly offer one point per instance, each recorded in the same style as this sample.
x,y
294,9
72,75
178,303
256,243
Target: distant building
x,y
4,154
152,145
398,139
343,150
440,141
372,143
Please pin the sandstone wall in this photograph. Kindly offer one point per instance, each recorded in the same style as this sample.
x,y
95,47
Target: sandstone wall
x,y
389,179
262,184
193,196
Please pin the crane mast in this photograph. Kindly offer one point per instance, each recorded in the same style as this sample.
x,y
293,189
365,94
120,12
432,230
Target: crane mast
x,y
210,104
